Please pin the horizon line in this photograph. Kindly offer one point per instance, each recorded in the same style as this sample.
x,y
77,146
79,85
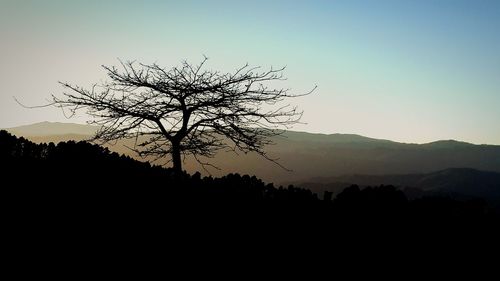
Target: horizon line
x,y
296,131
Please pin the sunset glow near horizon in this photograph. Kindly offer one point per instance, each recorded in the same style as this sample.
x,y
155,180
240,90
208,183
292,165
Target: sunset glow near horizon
x,y
410,71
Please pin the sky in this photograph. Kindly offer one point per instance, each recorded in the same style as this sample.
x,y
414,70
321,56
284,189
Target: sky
x,y
411,71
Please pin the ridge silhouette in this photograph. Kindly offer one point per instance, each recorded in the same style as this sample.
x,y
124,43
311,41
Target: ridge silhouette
x,y
72,176
334,155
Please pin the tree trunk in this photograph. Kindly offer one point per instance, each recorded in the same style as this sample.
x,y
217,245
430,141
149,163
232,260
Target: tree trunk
x,y
176,158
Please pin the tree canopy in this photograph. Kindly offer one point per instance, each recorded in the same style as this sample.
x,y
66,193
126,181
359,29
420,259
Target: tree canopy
x,y
187,109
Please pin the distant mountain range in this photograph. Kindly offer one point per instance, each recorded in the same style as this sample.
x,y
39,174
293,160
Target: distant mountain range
x,y
455,182
43,129
314,156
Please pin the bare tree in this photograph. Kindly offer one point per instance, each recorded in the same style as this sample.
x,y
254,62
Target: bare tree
x,y
185,110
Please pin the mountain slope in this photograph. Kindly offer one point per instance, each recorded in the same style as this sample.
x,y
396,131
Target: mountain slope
x,y
52,128
454,182
317,155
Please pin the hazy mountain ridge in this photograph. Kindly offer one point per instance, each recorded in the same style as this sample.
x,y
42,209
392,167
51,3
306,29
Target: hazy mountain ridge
x,y
51,129
85,183
331,138
316,155
453,181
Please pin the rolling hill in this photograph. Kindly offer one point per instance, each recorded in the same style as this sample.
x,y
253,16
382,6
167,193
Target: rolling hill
x,y
455,182
44,129
312,156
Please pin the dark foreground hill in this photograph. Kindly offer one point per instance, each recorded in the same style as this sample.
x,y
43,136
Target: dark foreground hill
x,y
48,184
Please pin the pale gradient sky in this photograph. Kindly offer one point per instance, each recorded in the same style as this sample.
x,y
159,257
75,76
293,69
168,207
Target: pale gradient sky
x,y
412,71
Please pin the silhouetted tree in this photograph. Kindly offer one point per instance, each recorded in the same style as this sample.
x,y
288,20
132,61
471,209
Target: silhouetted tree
x,y
186,110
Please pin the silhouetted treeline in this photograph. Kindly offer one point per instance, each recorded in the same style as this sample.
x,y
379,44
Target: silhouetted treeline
x,y
75,181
